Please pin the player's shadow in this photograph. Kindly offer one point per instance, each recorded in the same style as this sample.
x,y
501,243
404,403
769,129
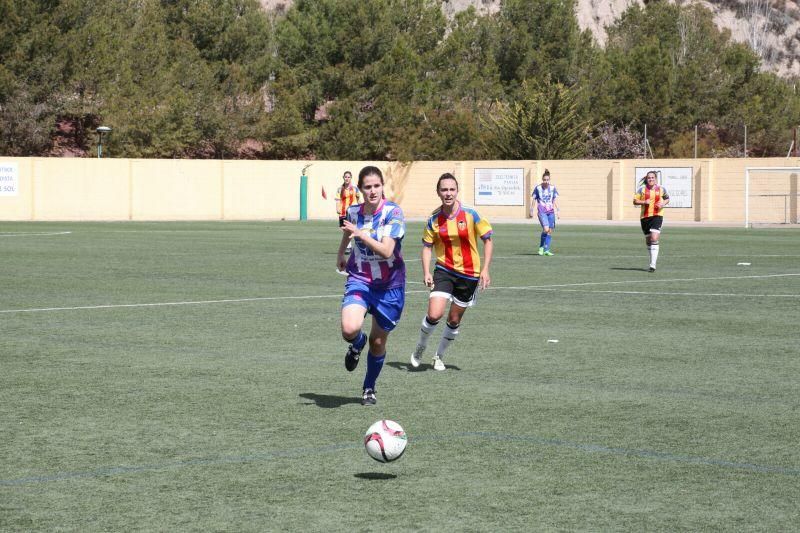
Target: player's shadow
x,y
326,401
631,268
421,368
375,476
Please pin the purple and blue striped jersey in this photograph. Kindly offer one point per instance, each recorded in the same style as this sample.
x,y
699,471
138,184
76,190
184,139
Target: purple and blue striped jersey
x,y
366,265
545,197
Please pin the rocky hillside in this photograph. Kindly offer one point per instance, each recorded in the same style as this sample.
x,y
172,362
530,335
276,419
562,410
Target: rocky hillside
x,y
770,27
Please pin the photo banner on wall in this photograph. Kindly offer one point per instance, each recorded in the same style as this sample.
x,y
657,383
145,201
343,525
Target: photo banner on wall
x,y
499,186
676,180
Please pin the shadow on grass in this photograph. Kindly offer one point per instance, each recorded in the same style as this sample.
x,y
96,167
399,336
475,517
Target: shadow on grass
x,y
374,476
630,268
327,401
421,368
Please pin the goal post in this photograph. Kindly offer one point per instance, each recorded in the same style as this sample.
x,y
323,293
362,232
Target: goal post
x,y
770,195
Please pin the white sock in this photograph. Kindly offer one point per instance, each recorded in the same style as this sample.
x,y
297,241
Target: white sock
x,y
448,335
425,331
653,248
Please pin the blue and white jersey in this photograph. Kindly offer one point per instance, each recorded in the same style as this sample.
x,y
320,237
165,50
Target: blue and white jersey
x,y
545,198
366,265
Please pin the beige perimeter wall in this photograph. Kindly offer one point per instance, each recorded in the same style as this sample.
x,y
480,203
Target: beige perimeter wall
x,y
155,189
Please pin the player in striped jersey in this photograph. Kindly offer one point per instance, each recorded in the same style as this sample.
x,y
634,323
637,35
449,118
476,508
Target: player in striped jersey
x,y
653,198
376,276
452,232
545,199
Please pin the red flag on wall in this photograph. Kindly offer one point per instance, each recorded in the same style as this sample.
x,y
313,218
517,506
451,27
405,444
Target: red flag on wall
x,y
325,196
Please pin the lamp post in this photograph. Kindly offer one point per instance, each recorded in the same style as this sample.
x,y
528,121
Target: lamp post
x,y
100,131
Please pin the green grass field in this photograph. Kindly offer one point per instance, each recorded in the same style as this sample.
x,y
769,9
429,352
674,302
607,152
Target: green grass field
x,y
189,376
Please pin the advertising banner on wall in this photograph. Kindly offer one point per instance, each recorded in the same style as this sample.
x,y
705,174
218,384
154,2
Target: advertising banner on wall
x,y
9,179
676,180
499,186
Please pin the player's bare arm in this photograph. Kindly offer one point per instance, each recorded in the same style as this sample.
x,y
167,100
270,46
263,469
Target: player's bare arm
x,y
485,279
427,277
341,260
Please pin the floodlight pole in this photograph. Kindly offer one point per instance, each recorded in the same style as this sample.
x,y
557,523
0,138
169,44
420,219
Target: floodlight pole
x,y
100,131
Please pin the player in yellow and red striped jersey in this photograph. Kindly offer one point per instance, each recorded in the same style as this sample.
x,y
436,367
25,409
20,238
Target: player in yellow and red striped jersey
x,y
346,195
652,198
452,232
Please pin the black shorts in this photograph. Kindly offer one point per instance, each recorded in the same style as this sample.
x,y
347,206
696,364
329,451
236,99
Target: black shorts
x,y
341,221
652,224
459,290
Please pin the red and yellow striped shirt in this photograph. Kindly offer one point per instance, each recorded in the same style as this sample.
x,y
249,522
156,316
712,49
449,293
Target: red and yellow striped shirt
x,y
345,197
656,194
455,240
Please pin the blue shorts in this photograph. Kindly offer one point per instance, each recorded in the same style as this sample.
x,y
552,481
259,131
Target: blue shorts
x,y
547,220
386,305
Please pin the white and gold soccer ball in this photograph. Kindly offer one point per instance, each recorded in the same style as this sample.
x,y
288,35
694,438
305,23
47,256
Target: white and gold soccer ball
x,y
385,441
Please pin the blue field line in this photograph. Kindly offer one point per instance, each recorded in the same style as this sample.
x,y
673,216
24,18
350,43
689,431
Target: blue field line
x,y
646,454
207,461
300,452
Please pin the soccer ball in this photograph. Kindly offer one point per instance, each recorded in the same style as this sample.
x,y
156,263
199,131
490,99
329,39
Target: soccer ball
x,y
385,441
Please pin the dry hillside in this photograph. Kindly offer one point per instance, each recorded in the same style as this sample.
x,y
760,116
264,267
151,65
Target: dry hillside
x,y
770,27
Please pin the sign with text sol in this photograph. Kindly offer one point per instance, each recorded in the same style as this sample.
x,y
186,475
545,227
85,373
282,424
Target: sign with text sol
x,y
499,186
676,180
9,179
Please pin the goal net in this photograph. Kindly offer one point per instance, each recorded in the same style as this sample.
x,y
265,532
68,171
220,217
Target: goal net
x,y
771,195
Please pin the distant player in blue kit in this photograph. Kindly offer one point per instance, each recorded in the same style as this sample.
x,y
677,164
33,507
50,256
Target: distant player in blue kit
x,y
545,201
376,276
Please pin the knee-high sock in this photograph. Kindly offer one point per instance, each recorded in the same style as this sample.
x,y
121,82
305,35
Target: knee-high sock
x,y
547,241
359,341
374,366
425,331
448,336
653,248
542,239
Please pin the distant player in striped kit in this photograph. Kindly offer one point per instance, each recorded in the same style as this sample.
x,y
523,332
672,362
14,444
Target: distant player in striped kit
x,y
545,200
346,195
653,198
376,276
452,232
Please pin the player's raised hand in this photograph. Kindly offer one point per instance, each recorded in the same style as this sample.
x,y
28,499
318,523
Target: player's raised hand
x,y
350,229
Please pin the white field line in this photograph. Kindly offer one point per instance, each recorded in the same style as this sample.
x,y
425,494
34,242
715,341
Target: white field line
x,y
656,293
644,254
166,304
34,234
527,257
650,280
561,287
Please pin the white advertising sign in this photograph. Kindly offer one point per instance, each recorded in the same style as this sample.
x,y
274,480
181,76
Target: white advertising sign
x,y
676,180
499,186
9,179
